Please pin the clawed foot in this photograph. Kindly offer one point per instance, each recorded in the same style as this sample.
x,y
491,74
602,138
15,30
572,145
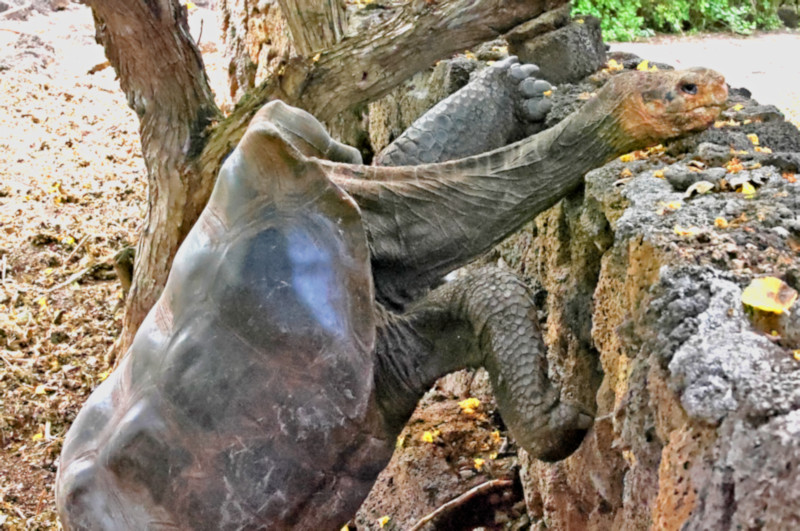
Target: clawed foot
x,y
533,93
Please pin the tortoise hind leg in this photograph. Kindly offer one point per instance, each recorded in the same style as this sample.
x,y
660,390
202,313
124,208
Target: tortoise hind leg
x,y
486,318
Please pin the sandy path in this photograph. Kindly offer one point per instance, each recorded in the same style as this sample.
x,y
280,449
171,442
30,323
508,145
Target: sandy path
x,y
767,64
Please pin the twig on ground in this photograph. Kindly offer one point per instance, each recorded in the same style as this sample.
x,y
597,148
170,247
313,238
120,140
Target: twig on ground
x,y
460,500
77,247
73,278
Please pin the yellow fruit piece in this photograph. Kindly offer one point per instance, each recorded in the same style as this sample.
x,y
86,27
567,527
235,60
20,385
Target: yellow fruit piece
x,y
769,294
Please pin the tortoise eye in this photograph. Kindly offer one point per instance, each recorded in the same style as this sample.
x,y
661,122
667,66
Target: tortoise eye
x,y
689,88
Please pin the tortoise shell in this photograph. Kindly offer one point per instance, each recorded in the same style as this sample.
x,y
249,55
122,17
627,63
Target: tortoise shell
x,y
257,356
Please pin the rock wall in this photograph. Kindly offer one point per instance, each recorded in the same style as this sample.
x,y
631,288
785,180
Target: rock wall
x,y
697,410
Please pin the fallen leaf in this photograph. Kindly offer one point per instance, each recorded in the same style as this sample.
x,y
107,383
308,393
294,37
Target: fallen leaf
x,y
613,66
747,189
738,107
734,165
685,231
721,223
658,174
769,294
753,138
383,520
789,176
644,66
478,462
699,188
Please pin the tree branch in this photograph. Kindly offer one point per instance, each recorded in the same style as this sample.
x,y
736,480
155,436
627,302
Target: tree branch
x,y
363,68
315,25
367,66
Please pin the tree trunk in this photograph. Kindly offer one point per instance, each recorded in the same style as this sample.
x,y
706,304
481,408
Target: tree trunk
x,y
162,74
161,71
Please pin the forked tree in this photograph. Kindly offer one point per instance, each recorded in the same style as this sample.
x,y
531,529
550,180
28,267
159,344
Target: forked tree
x,y
185,136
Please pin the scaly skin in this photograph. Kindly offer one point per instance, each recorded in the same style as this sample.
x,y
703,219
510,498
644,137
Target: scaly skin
x,y
503,103
265,388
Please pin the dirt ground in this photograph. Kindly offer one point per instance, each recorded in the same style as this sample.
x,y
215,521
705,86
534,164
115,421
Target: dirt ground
x,y
72,190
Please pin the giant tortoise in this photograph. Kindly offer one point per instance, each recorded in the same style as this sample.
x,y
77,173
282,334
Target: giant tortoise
x,y
305,315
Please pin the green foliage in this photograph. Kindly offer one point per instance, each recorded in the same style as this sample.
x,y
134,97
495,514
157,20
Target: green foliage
x,y
624,20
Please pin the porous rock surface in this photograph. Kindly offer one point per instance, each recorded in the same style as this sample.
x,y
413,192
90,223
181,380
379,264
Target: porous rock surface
x,y
697,415
697,410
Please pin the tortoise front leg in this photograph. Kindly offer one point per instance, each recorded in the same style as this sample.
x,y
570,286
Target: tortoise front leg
x,y
503,103
486,318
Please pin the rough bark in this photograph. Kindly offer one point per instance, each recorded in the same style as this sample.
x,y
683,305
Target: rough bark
x,y
369,65
314,25
161,71
162,74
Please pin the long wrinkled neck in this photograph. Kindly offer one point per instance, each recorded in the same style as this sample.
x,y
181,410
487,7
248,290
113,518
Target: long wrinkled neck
x,y
425,221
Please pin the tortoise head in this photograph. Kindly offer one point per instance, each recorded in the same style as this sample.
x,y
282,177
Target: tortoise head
x,y
658,106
